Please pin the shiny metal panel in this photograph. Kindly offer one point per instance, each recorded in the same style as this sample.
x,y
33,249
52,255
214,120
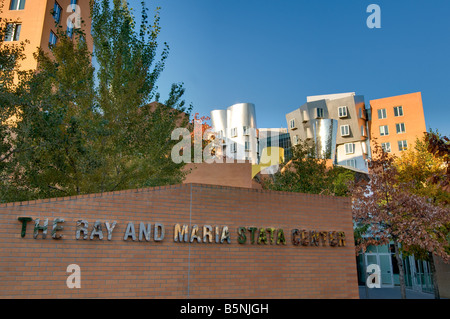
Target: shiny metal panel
x,y
325,133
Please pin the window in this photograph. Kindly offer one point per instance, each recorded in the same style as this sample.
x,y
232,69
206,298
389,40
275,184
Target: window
x,y
360,113
296,139
381,114
349,148
384,130
402,146
342,111
53,39
246,130
247,145
345,130
386,147
319,113
292,124
12,32
400,128
17,5
57,12
363,131
233,147
351,163
234,132
398,111
69,32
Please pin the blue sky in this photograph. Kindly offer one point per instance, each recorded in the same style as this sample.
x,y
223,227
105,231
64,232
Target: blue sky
x,y
275,53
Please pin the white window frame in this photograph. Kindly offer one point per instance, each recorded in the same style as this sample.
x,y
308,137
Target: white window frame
x,y
400,126
319,113
342,111
404,145
345,130
247,146
233,147
384,130
292,124
351,163
386,147
398,111
349,148
383,114
11,32
19,2
246,130
234,132
54,36
57,12
296,139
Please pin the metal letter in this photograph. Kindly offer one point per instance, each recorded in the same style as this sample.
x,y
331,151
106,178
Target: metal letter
x,y
314,238
305,238
194,234
225,235
242,238
262,236
24,221
252,231
38,227
341,238
271,231
110,228
83,229
97,230
144,232
181,234
56,228
332,236
159,232
280,237
294,236
207,232
130,232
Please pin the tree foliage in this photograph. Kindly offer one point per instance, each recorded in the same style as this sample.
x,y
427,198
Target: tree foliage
x,y
84,129
385,209
305,173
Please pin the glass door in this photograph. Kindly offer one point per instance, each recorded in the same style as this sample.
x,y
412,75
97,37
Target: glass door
x,y
384,261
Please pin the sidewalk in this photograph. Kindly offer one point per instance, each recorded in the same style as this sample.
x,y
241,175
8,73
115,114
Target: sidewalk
x,y
392,293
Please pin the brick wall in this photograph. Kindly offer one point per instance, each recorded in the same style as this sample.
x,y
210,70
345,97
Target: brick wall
x,y
36,268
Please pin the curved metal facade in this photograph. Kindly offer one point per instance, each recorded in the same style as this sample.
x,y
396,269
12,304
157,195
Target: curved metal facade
x,y
325,133
238,126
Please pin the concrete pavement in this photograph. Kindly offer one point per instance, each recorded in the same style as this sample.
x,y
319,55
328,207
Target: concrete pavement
x,y
392,293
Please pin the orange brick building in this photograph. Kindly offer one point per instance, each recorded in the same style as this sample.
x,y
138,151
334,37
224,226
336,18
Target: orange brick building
x,y
396,122
34,20
295,245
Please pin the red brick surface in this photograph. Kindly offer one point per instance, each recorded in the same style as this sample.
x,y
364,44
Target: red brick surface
x,y
36,268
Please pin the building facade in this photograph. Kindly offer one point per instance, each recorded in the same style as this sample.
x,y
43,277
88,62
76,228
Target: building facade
x,y
167,242
36,20
396,122
236,127
338,124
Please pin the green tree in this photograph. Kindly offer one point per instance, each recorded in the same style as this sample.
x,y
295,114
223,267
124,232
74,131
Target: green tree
x,y
136,136
305,173
385,209
12,87
417,169
85,130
